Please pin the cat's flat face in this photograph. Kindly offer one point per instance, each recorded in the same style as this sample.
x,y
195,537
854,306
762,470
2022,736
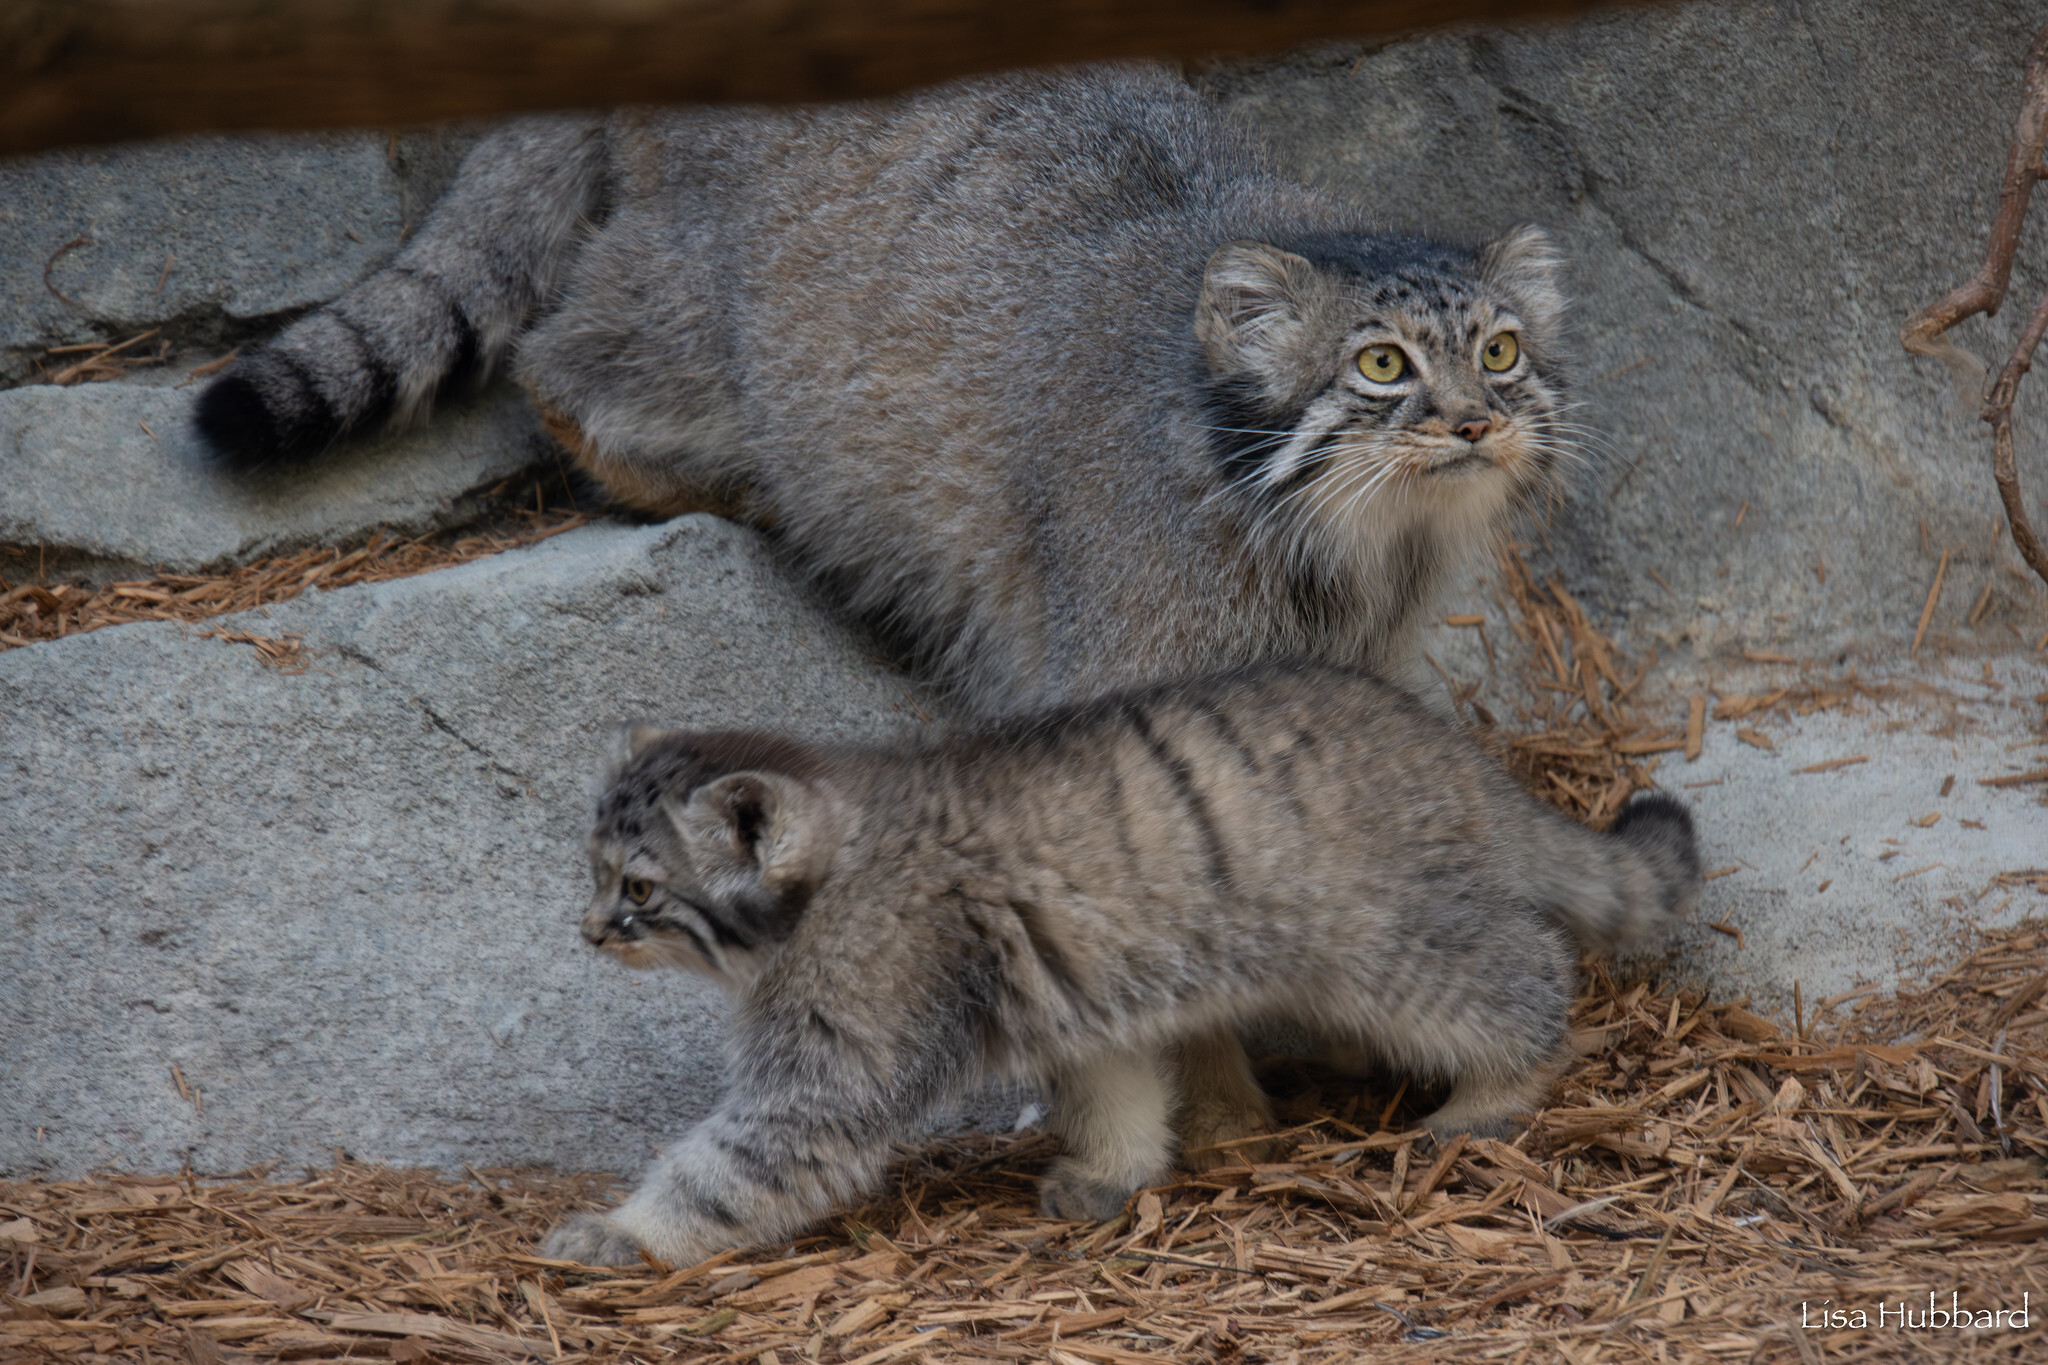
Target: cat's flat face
x,y
1438,385
677,859
1364,385
648,909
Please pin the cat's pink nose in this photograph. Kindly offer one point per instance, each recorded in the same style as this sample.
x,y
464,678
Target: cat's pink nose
x,y
1473,430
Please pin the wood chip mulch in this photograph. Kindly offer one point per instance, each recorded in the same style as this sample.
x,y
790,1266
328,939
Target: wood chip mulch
x,y
95,362
1703,1177
31,613
1575,741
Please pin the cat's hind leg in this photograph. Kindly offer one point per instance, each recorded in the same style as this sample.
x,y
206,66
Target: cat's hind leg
x,y
1221,1101
1485,1103
1113,1115
1479,1001
632,367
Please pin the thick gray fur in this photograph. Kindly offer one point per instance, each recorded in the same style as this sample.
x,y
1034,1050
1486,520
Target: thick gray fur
x,y
1047,374
1064,897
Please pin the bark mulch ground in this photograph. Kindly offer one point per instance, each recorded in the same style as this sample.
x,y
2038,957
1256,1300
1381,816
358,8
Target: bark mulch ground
x,y
1704,1181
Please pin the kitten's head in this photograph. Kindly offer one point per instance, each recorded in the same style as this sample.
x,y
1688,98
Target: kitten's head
x,y
706,849
1356,378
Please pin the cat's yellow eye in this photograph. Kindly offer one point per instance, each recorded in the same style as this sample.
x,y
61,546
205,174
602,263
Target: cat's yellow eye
x,y
1501,352
1382,364
638,891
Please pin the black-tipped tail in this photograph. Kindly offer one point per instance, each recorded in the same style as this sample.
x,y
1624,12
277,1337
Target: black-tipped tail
x,y
263,411
445,309
1660,829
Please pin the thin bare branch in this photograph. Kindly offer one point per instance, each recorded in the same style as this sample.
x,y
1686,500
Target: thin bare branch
x,y
2004,467
1984,293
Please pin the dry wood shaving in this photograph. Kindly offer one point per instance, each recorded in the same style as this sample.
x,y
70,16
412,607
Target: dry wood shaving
x,y
34,612
1576,742
286,654
1702,1173
94,361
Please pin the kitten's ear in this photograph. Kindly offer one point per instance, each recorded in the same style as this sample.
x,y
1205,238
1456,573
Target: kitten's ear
x,y
1526,266
784,827
627,742
1254,301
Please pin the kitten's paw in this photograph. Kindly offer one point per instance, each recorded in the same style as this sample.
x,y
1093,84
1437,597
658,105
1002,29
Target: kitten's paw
x,y
1069,1191
591,1239
1213,1119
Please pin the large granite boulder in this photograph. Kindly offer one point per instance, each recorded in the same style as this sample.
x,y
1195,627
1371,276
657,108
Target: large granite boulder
x,y
255,915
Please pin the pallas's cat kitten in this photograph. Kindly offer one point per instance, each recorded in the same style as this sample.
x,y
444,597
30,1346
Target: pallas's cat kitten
x,y
1048,374
1061,897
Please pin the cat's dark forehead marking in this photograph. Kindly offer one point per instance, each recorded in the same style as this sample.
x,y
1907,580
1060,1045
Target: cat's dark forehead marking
x,y
1363,257
674,765
1433,308
624,808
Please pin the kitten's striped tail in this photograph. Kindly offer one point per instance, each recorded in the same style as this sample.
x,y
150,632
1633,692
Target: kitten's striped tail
x,y
447,306
1634,880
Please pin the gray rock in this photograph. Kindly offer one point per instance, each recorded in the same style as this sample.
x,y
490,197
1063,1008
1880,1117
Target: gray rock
x,y
1867,872
113,475
343,903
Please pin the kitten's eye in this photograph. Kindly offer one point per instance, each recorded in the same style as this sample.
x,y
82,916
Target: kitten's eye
x,y
638,891
1382,364
1501,352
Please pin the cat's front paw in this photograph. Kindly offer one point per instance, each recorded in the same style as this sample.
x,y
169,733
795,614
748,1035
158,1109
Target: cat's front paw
x,y
1068,1190
591,1239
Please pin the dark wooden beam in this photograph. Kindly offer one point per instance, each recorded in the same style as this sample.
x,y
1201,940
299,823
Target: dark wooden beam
x,y
91,71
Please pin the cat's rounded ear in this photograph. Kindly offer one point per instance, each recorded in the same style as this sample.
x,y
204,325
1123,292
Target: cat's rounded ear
x,y
628,742
1526,266
1254,300
785,828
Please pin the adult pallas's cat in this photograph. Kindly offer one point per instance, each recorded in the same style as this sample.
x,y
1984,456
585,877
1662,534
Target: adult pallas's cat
x,y
1062,898
1049,375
